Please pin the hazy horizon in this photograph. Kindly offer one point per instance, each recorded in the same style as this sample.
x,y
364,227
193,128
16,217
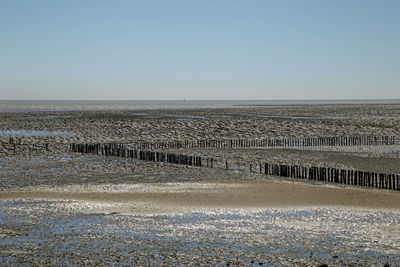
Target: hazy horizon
x,y
199,50
201,100
126,105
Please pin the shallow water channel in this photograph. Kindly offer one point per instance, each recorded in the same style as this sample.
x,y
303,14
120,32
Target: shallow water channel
x,y
28,133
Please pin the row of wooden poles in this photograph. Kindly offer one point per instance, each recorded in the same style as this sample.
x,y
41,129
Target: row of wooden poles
x,y
272,142
15,143
30,147
119,150
331,175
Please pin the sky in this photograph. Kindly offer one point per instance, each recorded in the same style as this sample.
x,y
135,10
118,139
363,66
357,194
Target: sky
x,y
199,50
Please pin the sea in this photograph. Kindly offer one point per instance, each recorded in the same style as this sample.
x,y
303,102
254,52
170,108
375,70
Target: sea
x,y
81,105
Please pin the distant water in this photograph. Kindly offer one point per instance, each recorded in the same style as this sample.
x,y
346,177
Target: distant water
x,y
32,133
27,106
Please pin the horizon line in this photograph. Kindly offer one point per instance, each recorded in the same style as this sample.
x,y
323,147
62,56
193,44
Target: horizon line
x,y
189,100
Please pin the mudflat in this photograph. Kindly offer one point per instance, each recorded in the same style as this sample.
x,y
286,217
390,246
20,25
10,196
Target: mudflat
x,y
73,209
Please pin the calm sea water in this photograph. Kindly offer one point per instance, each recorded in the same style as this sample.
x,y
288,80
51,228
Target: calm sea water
x,y
26,105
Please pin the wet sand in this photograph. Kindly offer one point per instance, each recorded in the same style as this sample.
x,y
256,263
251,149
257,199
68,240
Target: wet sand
x,y
57,232
177,197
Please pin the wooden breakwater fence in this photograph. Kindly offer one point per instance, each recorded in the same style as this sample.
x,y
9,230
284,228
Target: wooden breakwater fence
x,y
313,173
271,142
30,147
334,175
119,150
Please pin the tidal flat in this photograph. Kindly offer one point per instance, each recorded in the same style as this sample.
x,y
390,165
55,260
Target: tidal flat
x,y
58,207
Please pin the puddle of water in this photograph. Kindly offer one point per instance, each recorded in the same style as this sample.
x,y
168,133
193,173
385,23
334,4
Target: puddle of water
x,y
28,133
222,116
186,116
182,117
324,117
256,234
43,117
171,115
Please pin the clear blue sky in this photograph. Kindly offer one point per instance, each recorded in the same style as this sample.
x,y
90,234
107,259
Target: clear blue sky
x,y
256,49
